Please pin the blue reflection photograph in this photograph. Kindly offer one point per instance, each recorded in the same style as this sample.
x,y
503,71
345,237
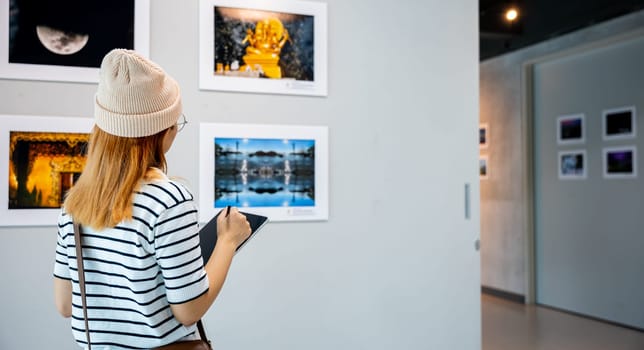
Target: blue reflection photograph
x,y
255,172
572,164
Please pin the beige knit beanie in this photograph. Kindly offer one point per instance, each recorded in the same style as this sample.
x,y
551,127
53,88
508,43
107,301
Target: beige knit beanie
x,y
135,97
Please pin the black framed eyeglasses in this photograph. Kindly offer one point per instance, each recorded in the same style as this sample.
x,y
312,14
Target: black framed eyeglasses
x,y
182,122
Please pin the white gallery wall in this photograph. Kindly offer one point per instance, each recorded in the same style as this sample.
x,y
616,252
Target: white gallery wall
x,y
395,266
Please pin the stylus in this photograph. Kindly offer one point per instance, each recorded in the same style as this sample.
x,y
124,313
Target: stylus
x,y
227,211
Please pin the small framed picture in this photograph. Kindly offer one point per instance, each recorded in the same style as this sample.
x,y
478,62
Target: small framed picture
x,y
572,165
277,47
279,171
620,162
41,157
483,171
570,129
619,123
67,40
484,136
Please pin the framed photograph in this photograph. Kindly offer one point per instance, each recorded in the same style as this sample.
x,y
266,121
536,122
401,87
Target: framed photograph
x,y
572,165
483,167
277,171
620,162
277,47
484,136
619,123
54,40
40,158
570,129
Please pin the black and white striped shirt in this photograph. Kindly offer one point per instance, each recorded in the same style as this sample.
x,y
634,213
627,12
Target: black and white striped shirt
x,y
134,271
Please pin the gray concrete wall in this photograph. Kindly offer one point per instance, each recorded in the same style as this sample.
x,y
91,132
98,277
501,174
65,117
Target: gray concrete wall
x,y
588,232
505,261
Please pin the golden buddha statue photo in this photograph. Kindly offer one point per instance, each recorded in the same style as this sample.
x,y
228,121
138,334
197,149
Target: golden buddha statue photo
x,y
264,47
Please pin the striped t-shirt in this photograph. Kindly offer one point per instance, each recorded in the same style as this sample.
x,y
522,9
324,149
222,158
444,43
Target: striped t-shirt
x,y
134,271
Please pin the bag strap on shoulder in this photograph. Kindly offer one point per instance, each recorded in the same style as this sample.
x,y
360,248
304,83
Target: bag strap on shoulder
x,y
81,278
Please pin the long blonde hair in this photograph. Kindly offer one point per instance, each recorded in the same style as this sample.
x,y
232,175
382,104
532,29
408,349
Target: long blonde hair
x,y
102,197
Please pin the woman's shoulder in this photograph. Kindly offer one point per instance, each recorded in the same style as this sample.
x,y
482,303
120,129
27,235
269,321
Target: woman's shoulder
x,y
64,219
158,191
167,191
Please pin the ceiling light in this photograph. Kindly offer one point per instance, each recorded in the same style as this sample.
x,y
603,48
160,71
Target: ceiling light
x,y
511,14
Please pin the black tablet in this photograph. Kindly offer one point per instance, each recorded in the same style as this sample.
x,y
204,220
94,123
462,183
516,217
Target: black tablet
x,y
208,233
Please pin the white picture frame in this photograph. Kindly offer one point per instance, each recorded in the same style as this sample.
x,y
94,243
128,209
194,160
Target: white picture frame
x,y
223,56
15,215
620,162
484,167
268,184
36,59
571,129
619,123
572,164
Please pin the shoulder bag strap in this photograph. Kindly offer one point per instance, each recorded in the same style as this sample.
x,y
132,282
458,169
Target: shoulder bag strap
x,y
202,331
81,279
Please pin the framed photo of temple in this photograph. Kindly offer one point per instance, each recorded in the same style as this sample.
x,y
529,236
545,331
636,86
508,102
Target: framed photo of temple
x,y
277,171
40,159
57,40
570,129
277,47
619,123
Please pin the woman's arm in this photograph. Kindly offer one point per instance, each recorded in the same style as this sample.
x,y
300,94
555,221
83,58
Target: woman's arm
x,y
216,269
63,296
231,231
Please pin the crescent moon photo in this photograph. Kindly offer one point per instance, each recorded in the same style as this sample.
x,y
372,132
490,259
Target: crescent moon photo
x,y
61,42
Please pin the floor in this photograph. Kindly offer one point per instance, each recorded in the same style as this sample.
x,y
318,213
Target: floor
x,y
509,325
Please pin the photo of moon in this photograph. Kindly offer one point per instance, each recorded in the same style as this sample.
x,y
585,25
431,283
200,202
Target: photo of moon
x,y
61,42
69,33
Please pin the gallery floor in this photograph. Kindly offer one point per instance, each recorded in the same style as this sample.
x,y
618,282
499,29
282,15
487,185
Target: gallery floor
x,y
512,326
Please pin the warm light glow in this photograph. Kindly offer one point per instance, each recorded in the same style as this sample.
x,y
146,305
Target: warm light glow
x,y
41,176
511,15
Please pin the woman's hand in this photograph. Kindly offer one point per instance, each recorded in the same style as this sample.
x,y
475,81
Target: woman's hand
x,y
232,228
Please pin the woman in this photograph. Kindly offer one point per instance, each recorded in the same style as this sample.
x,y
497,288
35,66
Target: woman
x,y
146,283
